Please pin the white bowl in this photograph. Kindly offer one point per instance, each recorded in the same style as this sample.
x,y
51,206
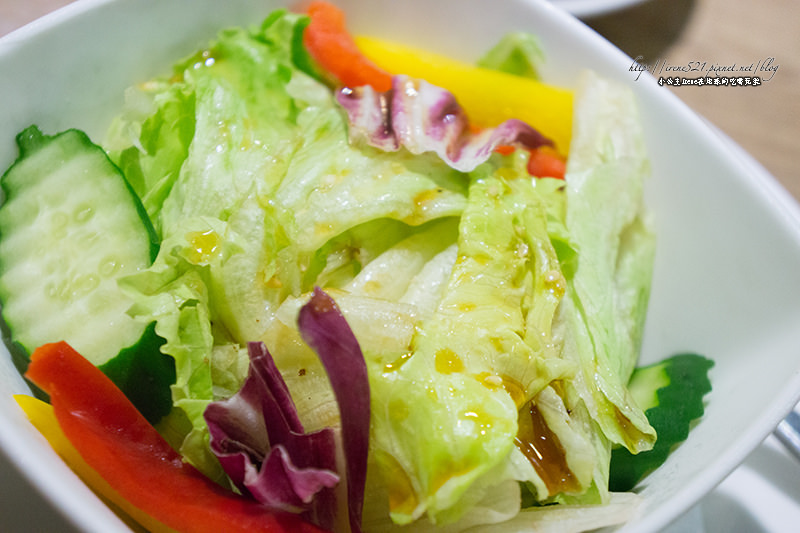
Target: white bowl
x,y
593,8
727,278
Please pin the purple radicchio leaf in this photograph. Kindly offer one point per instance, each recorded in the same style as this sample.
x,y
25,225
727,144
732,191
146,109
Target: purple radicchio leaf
x,y
425,118
323,327
260,443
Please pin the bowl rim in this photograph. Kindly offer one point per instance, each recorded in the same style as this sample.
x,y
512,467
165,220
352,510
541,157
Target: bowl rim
x,y
593,8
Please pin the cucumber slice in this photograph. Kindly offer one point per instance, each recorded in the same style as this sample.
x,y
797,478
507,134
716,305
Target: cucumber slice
x,y
70,226
144,375
671,392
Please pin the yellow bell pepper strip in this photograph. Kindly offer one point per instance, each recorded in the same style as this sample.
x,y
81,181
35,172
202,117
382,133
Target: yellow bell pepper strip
x,y
488,96
40,414
328,42
118,443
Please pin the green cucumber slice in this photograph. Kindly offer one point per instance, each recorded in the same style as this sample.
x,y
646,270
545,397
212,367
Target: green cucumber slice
x,y
671,392
144,375
70,226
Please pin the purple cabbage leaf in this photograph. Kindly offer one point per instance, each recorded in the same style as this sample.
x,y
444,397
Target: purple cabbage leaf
x,y
425,118
259,439
324,328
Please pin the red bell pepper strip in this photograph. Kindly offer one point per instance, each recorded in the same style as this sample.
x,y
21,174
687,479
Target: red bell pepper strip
x,y
327,40
119,443
546,163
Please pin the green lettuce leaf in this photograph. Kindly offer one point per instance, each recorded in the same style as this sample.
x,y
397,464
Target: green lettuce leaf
x,y
517,53
446,417
243,161
604,308
150,139
486,305
173,293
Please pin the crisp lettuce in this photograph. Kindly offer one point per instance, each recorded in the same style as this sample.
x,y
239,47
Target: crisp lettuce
x,y
519,53
246,167
494,311
604,309
447,416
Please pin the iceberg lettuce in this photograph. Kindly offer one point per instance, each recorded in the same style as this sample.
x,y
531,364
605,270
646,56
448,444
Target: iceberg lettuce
x,y
447,415
245,166
499,315
606,302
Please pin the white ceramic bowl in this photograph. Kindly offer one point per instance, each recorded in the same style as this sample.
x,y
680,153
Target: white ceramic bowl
x,y
593,8
727,278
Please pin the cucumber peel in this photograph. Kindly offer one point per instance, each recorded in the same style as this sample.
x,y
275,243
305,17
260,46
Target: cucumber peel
x,y
144,375
671,394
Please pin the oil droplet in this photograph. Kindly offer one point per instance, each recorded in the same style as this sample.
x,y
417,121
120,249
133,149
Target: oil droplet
x,y
448,362
506,173
623,421
426,196
397,363
555,283
447,468
482,421
203,245
432,393
273,282
497,343
323,229
482,259
466,307
490,381
372,287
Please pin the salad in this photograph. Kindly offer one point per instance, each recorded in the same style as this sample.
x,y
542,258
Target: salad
x,y
311,281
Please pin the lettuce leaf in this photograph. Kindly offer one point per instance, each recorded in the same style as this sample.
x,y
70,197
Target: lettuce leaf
x,y
245,164
519,53
492,309
173,293
471,357
606,299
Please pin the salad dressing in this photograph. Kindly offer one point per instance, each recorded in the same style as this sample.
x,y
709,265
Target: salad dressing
x,y
448,362
397,363
203,245
402,496
544,451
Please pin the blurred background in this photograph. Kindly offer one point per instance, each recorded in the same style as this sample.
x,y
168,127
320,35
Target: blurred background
x,y
764,120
